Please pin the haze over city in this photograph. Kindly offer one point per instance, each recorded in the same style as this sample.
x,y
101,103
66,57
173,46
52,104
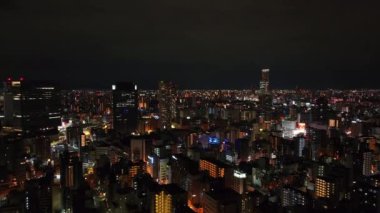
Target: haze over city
x,y
198,44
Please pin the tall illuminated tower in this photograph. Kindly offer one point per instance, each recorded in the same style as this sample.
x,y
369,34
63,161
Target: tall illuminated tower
x,y
167,97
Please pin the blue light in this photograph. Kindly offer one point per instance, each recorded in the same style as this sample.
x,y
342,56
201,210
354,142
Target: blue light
x,y
213,140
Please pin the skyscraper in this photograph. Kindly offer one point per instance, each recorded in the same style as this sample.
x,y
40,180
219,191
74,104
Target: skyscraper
x,y
367,163
125,107
264,81
167,97
265,97
32,106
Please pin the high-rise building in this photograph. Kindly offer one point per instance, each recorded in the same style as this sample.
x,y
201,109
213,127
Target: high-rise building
x,y
170,198
326,188
71,171
264,81
71,178
238,182
159,169
138,149
214,168
74,136
32,107
38,195
367,163
221,202
292,197
242,148
167,97
320,170
265,97
300,141
134,170
125,107
163,203
10,146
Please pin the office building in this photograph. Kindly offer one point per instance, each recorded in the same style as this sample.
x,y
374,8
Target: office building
x,y
301,143
32,107
71,171
10,146
264,81
265,97
125,107
292,197
214,168
159,169
225,201
238,182
74,136
138,149
326,188
367,163
167,97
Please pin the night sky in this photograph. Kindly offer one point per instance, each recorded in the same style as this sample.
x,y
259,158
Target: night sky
x,y
196,43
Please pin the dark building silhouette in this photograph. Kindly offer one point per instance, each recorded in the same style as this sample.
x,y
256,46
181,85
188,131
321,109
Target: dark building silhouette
x,y
265,97
71,178
32,107
38,196
125,107
74,136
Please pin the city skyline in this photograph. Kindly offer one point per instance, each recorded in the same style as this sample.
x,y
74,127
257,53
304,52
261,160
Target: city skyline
x,y
196,151
198,106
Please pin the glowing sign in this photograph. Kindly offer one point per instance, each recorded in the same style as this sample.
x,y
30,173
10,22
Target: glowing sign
x,y
16,83
240,175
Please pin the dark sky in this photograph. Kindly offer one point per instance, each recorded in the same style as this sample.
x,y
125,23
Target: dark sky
x,y
196,43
